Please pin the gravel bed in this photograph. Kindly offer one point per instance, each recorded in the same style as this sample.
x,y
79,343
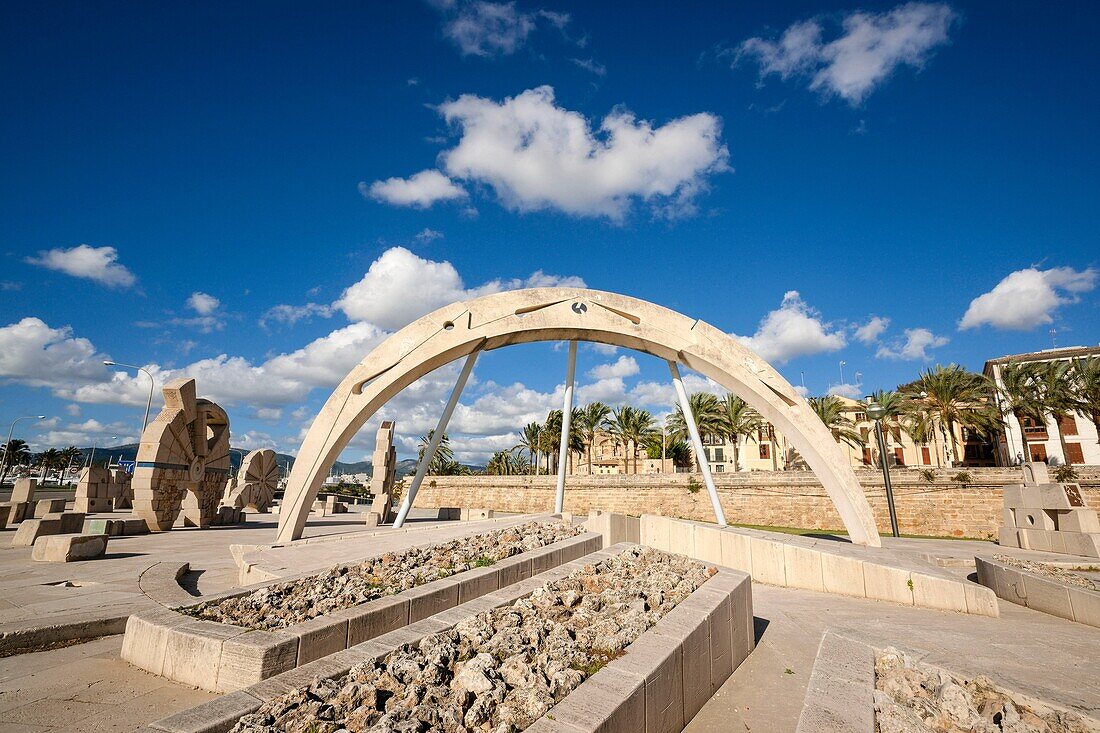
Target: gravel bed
x,y
285,604
911,697
1046,569
503,669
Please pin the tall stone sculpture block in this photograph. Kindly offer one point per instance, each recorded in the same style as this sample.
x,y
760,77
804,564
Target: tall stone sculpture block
x,y
1039,515
23,489
183,461
384,464
121,491
93,490
256,482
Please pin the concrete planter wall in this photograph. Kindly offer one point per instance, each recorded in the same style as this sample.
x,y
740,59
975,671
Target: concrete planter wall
x,y
1040,593
657,686
223,658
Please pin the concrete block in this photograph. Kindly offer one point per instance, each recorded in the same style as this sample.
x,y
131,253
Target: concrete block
x,y
690,628
660,662
802,567
31,529
1085,605
193,652
378,617
1085,544
1078,520
513,570
719,614
768,562
146,637
71,522
42,507
1053,496
1047,596
611,701
23,490
431,598
5,512
372,519
1008,537
1033,518
254,656
735,551
214,716
654,531
20,510
545,558
887,583
840,693
708,544
742,625
477,582
1008,517
981,601
933,591
681,537
842,574
1057,542
320,637
69,547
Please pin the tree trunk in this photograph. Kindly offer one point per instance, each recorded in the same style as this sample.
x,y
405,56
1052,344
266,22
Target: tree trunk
x,y
736,455
1023,439
954,444
1062,440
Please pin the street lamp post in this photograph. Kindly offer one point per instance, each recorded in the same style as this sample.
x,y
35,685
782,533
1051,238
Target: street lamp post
x,y
876,412
7,445
95,442
152,384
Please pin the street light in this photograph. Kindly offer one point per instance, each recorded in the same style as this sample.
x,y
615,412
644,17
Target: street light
x,y
7,446
876,412
152,384
95,441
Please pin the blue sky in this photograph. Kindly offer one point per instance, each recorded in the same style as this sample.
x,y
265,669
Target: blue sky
x,y
205,189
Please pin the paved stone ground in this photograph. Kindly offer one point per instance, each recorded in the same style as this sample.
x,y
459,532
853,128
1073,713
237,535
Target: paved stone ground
x,y
1024,650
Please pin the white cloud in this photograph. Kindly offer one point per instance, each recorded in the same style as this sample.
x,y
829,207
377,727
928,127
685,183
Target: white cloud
x,y
291,314
1028,298
915,345
866,53
870,332
36,355
269,414
487,28
420,190
625,366
793,329
429,235
327,360
90,431
93,263
851,391
400,286
536,155
73,410
202,303
591,65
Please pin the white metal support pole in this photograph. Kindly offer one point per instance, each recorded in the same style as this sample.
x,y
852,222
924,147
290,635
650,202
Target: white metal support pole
x,y
696,442
566,418
433,444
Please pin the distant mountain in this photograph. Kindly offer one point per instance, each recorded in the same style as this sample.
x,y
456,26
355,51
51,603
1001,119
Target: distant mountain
x,y
128,452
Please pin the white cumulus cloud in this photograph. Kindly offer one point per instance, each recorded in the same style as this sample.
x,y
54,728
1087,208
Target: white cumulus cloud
x,y
1028,298
99,264
36,355
914,346
486,28
624,366
420,190
869,49
202,303
870,332
793,329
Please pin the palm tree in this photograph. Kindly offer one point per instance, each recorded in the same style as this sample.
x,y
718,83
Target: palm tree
x,y
1020,397
507,463
954,396
1054,392
831,411
593,417
529,441
709,416
1086,377
70,455
738,419
50,459
631,427
14,453
443,460
551,436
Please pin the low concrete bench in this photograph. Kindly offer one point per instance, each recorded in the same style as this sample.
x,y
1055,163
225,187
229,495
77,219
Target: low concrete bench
x,y
19,510
31,529
118,527
71,522
222,658
69,547
1048,595
42,507
827,566
659,678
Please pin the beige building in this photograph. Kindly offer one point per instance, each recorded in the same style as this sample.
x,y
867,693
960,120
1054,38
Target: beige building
x,y
1043,440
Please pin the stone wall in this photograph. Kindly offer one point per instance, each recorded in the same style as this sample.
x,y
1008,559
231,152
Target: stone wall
x,y
783,499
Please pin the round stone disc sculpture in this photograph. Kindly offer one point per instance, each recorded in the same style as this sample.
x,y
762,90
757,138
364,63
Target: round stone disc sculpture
x,y
257,480
183,461
568,314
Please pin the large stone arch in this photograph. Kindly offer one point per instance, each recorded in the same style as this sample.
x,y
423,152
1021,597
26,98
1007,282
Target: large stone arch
x,y
561,314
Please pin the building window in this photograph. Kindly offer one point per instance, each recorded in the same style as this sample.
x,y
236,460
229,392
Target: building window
x,y
861,416
719,454
719,468
866,456
1074,454
765,450
1069,426
899,456
925,456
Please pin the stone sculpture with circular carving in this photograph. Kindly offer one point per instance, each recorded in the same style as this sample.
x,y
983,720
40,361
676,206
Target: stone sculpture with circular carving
x,y
256,482
183,461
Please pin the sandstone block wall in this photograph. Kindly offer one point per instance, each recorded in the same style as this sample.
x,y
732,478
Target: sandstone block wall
x,y
781,499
